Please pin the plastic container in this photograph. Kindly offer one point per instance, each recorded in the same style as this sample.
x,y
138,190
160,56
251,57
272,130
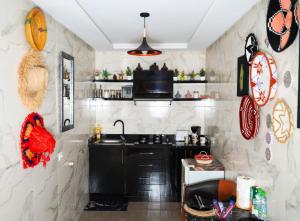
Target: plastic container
x,y
262,213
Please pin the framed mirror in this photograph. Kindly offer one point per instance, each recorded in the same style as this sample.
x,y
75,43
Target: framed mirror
x,y
67,91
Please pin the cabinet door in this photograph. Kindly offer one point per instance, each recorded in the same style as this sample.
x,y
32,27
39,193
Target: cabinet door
x,y
106,170
179,155
147,173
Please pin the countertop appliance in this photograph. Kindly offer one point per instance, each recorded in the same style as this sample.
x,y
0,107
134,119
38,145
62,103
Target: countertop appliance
x,y
156,85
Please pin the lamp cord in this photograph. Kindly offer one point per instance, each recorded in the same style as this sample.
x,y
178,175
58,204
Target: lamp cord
x,y
144,27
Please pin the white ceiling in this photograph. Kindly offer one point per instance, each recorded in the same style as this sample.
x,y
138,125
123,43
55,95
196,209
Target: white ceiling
x,y
173,24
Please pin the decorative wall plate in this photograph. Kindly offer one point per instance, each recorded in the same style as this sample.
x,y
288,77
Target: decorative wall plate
x,y
242,76
282,121
249,118
282,28
269,138
251,47
287,79
268,154
263,78
36,29
269,121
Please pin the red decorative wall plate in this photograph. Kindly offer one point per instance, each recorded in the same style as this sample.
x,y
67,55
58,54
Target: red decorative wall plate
x,y
249,118
263,78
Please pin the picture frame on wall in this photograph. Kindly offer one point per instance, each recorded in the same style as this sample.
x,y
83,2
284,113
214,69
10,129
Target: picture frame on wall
x,y
67,91
242,76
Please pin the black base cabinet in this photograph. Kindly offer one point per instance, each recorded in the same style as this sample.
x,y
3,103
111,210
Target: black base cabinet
x,y
106,170
148,173
138,172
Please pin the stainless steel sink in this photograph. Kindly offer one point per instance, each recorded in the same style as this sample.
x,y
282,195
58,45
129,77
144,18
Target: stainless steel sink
x,y
110,141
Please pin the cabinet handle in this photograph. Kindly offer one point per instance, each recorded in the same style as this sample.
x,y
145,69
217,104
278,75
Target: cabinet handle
x,y
146,165
149,153
122,157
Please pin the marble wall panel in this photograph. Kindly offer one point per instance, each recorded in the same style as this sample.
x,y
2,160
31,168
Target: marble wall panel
x,y
280,176
36,194
151,117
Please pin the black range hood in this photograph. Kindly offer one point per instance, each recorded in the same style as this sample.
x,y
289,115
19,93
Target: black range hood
x,y
153,85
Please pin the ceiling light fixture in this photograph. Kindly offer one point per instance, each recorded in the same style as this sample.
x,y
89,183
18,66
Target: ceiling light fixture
x,y
144,49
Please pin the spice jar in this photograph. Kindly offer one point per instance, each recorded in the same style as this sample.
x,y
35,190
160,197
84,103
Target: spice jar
x,y
112,93
105,93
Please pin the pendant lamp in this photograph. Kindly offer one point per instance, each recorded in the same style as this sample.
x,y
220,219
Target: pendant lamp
x,y
144,49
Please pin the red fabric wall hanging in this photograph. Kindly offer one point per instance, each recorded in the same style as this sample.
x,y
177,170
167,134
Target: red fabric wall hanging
x,y
36,142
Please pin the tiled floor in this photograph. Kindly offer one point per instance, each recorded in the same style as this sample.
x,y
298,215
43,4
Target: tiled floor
x,y
138,211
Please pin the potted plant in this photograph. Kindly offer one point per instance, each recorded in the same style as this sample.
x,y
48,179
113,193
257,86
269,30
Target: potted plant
x,y
192,75
97,75
105,74
181,76
202,75
175,74
128,73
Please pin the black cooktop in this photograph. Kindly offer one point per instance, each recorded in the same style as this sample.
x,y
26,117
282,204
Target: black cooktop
x,y
154,139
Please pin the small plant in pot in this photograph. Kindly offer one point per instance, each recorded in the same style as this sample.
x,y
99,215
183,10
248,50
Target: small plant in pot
x,y
182,76
175,75
128,73
97,75
202,75
105,74
192,75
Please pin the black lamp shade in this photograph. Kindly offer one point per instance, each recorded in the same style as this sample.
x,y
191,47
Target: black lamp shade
x,y
144,50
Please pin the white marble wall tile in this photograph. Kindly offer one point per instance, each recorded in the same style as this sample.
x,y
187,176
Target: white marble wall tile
x,y
280,176
151,117
35,194
119,60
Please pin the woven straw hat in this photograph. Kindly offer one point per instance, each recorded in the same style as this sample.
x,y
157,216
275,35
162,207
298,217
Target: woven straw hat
x,y
33,80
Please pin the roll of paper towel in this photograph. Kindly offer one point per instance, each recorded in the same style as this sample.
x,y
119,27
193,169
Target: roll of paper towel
x,y
244,185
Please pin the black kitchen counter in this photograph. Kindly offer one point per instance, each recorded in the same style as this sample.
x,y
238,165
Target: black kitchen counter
x,y
131,140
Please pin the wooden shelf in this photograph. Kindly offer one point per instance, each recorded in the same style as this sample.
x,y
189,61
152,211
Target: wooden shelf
x,y
130,81
190,82
113,81
187,99
113,99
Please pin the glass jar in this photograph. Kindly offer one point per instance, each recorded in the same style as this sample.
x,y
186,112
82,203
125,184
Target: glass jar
x,y
105,93
112,93
196,94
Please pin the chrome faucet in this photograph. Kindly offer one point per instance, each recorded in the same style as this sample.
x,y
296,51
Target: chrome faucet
x,y
123,130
